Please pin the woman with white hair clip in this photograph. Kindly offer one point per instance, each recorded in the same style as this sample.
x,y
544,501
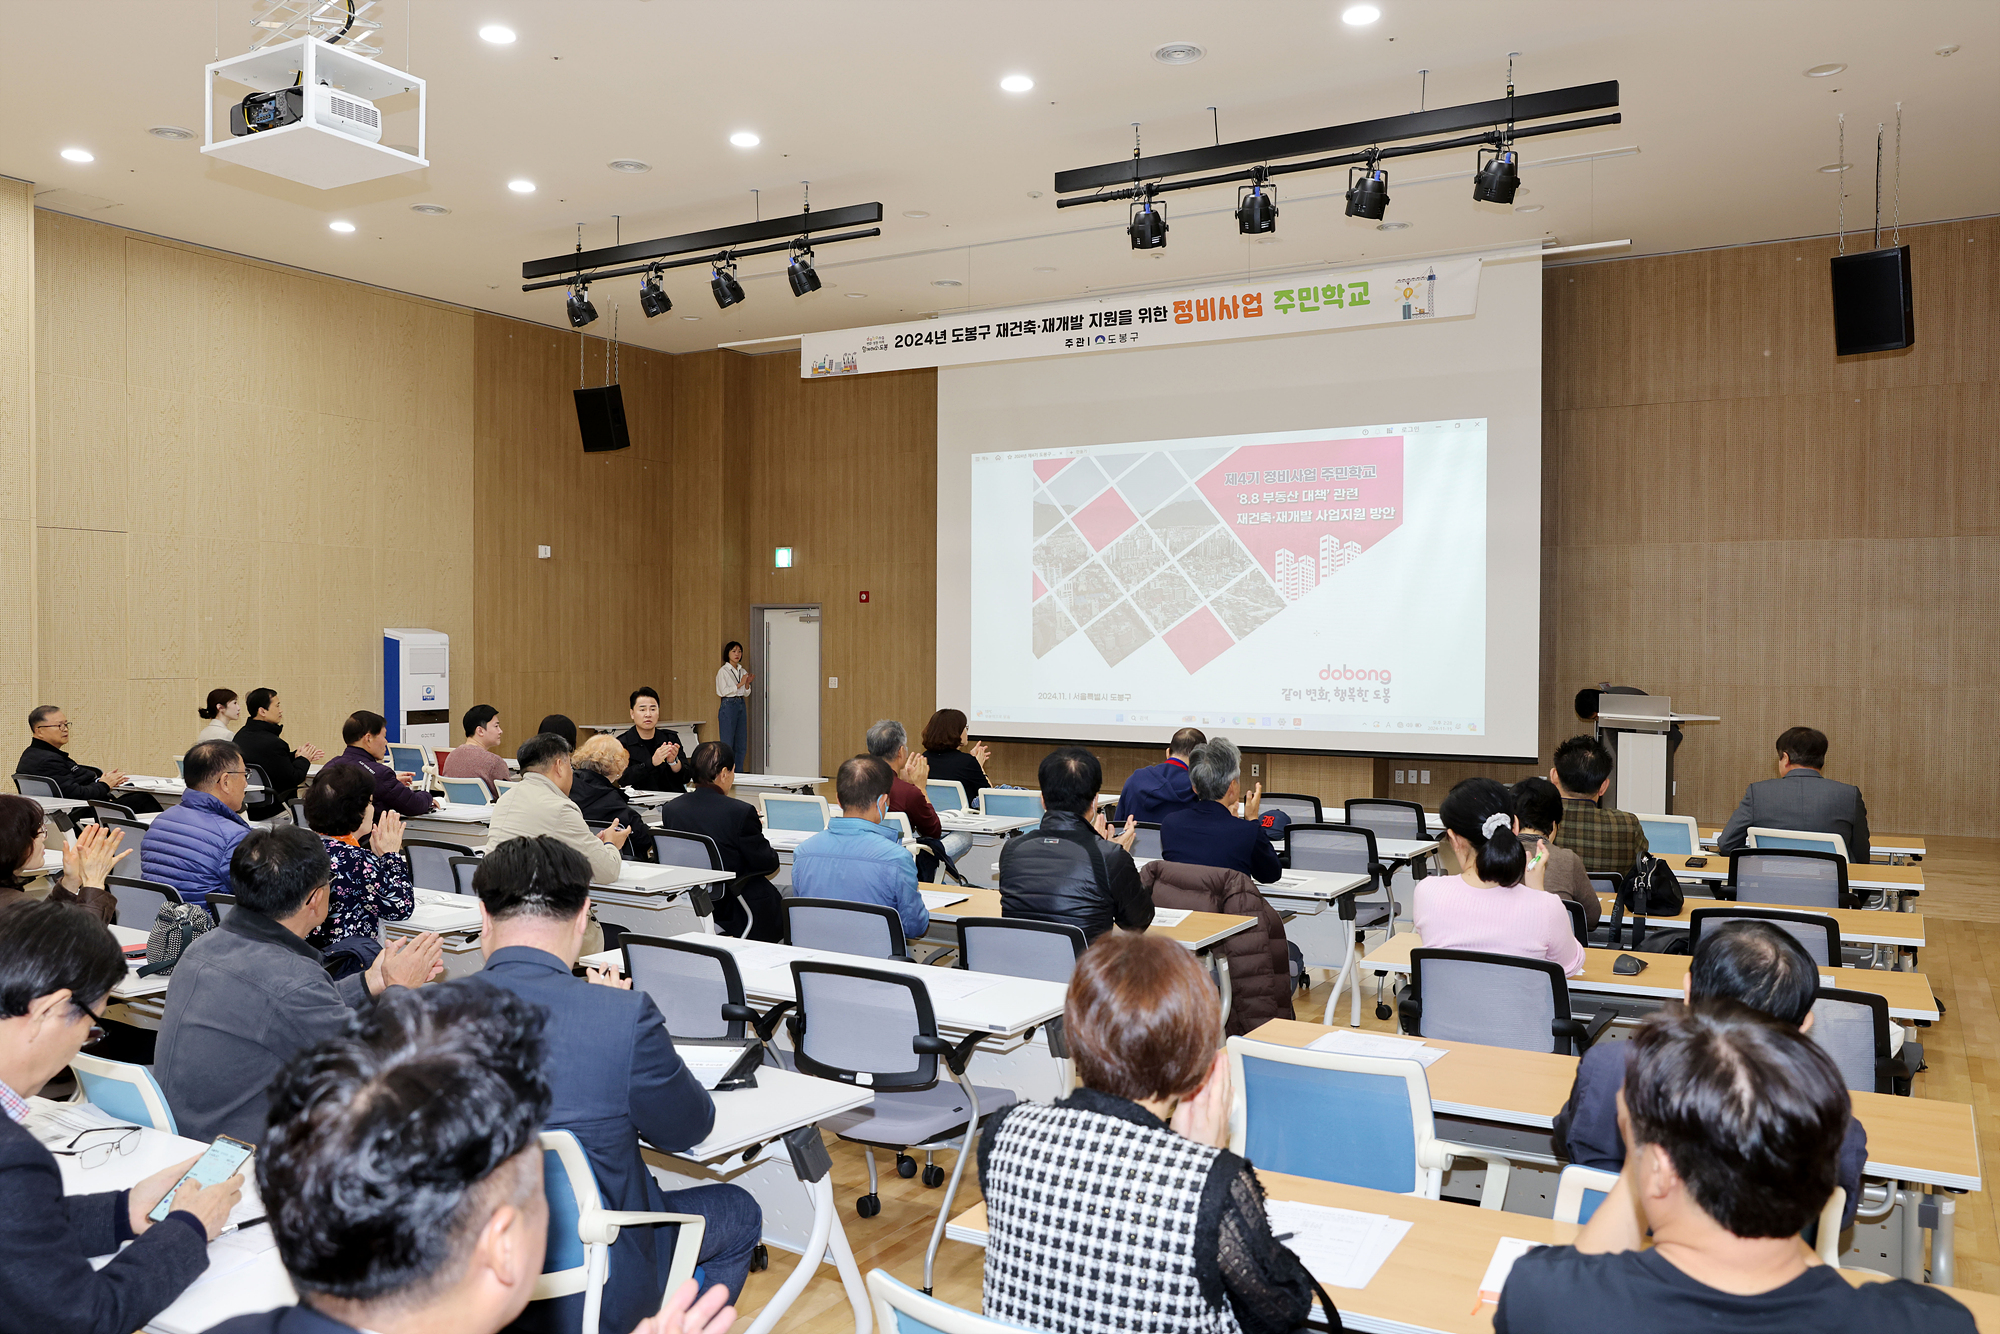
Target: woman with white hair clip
x,y
1496,905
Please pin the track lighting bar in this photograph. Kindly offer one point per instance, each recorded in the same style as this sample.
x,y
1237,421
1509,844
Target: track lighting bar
x,y
713,257
708,242
1385,129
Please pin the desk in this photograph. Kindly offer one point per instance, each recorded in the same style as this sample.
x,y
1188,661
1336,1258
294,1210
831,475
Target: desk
x,y
1857,926
1900,881
1908,994
681,727
1909,847
779,783
989,833
1200,932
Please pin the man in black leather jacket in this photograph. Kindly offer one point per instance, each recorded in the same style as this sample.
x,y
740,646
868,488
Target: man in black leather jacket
x,y
1071,868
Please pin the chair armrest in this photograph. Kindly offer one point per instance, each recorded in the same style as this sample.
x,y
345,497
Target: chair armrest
x,y
1582,1033
955,1055
768,1023
740,1014
1498,1169
599,1227
1410,1016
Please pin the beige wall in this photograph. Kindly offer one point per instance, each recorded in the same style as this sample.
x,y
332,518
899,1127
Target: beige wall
x,y
17,458
243,473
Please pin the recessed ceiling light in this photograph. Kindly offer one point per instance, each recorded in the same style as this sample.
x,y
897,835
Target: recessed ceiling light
x,y
1359,16
1528,208
1016,83
915,213
1824,71
692,319
946,282
856,296
430,210
1034,194
1947,50
744,139
1045,268
79,155
1179,53
630,165
1392,226
340,226
174,132
1835,168
496,34
521,187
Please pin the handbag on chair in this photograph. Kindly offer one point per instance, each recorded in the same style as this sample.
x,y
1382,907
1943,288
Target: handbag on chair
x,y
174,929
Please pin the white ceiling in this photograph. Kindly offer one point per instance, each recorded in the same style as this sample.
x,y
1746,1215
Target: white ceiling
x,y
898,101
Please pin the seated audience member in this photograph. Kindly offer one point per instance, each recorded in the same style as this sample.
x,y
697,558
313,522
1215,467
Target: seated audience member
x,y
1732,1123
189,846
461,1249
656,764
952,756
888,742
539,804
1752,963
48,728
615,1076
1141,1020
371,884
367,738
262,742
1802,798
557,724
57,967
247,995
91,857
1496,905
748,905
480,756
1538,811
858,857
1609,841
1210,833
221,709
598,768
1157,791
1071,868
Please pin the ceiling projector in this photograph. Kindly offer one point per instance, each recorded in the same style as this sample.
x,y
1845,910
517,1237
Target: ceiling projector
x,y
322,104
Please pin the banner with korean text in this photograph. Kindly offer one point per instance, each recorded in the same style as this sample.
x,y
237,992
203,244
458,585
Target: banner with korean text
x,y
1302,303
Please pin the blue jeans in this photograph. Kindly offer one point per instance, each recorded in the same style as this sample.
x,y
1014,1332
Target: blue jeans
x,y
735,720
735,1225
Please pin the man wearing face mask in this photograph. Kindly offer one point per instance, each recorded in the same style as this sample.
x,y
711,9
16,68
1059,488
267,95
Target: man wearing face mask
x,y
858,857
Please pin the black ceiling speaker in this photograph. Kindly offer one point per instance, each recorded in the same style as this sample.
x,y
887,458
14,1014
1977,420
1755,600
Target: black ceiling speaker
x,y
600,419
1872,310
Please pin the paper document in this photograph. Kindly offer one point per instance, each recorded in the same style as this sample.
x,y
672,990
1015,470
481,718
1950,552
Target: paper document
x,y
1505,1253
1381,1045
1342,1248
940,898
758,958
1170,916
956,983
710,1064
55,1124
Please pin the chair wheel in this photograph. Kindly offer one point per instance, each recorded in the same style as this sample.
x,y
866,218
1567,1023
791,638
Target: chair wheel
x,y
1382,1011
933,1175
760,1259
906,1166
868,1206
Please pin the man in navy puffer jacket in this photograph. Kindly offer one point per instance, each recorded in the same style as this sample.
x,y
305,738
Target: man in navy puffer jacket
x,y
189,846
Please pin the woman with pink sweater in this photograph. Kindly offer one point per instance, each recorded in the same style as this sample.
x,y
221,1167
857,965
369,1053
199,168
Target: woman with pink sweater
x,y
1494,906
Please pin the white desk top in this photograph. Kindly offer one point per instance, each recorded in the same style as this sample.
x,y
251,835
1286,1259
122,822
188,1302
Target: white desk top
x,y
440,912
972,822
1327,885
646,878
135,986
778,781
457,813
1405,849
60,803
964,1002
783,1101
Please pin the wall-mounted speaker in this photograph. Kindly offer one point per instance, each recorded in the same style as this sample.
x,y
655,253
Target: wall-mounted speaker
x,y
1872,309
600,419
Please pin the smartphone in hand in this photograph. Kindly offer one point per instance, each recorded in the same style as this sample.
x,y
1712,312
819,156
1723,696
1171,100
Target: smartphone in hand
x,y
218,1164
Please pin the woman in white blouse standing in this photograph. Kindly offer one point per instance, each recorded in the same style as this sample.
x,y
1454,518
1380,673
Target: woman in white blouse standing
x,y
732,685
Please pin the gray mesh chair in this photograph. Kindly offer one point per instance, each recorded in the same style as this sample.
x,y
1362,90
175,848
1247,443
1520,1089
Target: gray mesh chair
x,y
106,811
1302,807
1853,1028
135,835
34,785
1147,844
430,863
140,901
1579,921
1349,850
221,905
1819,934
1499,1000
674,848
1794,876
698,987
872,930
861,1025
297,806
1388,817
462,871
1017,947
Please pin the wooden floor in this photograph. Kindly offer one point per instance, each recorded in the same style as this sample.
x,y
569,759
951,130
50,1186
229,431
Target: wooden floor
x,y
1961,906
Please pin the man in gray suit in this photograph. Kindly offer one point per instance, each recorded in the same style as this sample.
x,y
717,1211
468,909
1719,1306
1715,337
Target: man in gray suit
x,y
1801,797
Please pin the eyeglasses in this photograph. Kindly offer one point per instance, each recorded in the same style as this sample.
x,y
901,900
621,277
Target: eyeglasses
x,y
236,773
54,727
96,1029
102,1152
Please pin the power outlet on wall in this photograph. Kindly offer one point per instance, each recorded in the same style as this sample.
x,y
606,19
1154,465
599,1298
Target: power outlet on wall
x,y
1256,771
833,683
1426,776
1399,776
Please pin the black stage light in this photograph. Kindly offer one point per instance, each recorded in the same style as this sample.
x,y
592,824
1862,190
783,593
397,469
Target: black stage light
x,y
722,282
1148,227
1498,176
653,298
1257,211
1367,193
581,312
800,273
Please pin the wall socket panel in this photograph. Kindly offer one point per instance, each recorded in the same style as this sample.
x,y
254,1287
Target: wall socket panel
x,y
1426,776
1399,776
1256,771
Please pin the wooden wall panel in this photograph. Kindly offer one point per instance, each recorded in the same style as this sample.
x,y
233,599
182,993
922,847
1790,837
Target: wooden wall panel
x,y
19,365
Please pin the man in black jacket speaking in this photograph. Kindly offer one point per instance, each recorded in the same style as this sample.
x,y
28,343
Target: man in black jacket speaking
x,y
263,744
1072,868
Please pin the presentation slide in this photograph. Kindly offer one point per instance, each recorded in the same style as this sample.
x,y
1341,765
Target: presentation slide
x,y
1251,581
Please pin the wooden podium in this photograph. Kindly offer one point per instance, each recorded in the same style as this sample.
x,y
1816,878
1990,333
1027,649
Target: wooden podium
x,y
1640,731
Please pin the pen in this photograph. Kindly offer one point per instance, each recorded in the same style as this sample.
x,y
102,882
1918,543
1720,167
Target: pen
x,y
1284,1236
245,1224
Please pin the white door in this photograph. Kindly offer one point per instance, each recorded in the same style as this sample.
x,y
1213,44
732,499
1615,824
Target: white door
x,y
787,741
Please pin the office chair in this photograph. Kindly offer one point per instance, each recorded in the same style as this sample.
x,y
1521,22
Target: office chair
x,y
1497,1000
872,930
